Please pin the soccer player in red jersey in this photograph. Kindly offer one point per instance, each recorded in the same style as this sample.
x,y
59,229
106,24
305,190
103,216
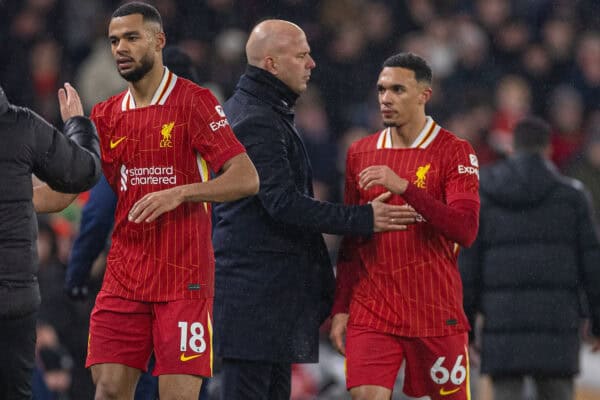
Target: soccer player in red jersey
x,y
159,140
399,294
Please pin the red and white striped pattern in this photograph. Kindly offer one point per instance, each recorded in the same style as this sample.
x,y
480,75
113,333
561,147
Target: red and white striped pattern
x,y
158,261
407,282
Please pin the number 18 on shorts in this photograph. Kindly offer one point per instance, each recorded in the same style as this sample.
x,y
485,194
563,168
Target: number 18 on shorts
x,y
127,332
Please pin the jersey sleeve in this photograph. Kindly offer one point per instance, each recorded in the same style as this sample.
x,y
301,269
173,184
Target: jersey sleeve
x,y
349,264
462,174
457,218
211,134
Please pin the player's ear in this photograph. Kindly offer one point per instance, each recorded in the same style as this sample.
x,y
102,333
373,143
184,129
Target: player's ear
x,y
161,40
425,95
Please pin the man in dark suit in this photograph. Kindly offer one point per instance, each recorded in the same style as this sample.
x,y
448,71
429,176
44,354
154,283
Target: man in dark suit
x,y
274,280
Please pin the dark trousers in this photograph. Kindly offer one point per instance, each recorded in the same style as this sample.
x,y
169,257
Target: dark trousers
x,y
17,357
547,388
255,380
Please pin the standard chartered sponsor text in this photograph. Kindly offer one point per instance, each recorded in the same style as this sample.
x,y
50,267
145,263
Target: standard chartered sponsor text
x,y
152,176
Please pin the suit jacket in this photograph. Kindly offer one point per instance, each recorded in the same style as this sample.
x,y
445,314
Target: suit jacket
x,y
274,281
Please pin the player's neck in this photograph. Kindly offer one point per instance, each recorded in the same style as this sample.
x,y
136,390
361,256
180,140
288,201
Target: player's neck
x,y
144,89
404,136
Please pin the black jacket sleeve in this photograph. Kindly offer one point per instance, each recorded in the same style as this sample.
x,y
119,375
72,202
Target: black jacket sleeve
x,y
279,195
68,163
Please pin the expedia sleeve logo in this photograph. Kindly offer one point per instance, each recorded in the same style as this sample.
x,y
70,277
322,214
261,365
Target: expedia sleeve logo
x,y
220,111
472,169
216,125
473,160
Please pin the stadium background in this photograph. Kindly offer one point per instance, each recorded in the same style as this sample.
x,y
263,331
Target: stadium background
x,y
494,61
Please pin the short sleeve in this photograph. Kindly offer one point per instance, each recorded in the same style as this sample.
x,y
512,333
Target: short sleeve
x,y
211,133
462,179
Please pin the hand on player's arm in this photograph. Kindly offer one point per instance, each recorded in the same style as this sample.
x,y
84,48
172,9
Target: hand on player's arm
x,y
337,334
384,176
46,200
387,217
238,179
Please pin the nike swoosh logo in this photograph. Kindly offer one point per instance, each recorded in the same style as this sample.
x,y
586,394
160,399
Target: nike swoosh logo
x,y
444,392
116,142
185,358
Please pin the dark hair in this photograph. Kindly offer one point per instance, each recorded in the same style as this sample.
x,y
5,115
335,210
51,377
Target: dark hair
x,y
412,62
148,12
531,134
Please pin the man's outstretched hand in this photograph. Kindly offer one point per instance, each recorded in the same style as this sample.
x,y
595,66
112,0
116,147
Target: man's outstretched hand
x,y
388,217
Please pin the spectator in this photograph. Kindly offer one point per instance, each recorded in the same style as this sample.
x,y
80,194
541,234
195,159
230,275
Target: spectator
x,y
566,120
586,165
536,250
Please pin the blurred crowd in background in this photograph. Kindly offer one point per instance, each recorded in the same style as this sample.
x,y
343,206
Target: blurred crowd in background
x,y
494,61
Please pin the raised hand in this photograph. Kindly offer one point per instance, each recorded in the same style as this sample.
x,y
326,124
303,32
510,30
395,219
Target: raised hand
x,y
69,101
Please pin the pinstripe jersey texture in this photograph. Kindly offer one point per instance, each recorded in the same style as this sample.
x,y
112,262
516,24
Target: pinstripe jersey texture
x,y
407,283
172,142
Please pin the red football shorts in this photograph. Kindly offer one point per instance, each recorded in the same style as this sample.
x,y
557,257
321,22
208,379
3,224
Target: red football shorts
x,y
126,332
437,367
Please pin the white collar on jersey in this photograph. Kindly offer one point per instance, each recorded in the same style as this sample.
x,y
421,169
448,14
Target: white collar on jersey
x,y
160,95
424,139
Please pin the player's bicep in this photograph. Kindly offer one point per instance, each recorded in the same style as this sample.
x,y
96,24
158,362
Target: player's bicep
x,y
210,132
351,191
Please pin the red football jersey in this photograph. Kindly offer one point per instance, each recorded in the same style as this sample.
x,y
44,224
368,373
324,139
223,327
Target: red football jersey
x,y
172,142
407,283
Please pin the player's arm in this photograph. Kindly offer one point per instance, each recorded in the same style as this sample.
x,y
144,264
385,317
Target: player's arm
x,y
458,220
237,179
348,269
